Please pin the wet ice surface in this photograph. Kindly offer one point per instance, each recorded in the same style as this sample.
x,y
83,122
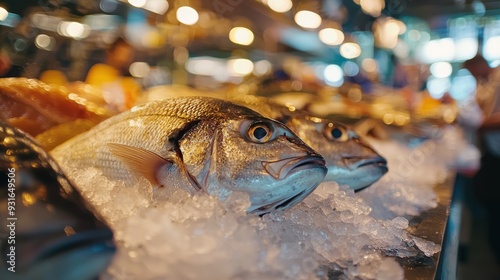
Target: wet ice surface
x,y
333,233
406,190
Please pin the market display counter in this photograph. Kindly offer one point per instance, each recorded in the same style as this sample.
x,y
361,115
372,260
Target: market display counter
x,y
440,225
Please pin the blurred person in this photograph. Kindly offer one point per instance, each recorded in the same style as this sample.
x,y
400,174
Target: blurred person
x,y
9,65
111,76
363,81
156,77
55,67
487,180
5,63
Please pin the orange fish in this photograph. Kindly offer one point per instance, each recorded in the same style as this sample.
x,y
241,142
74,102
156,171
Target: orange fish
x,y
36,107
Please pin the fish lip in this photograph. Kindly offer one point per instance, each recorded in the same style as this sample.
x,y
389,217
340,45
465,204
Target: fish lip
x,y
359,162
282,168
284,203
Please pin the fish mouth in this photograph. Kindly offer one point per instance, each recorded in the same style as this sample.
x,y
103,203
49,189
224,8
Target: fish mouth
x,y
282,168
283,203
97,240
371,169
361,162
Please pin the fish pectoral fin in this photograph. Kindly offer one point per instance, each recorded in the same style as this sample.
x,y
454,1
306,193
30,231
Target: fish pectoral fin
x,y
139,160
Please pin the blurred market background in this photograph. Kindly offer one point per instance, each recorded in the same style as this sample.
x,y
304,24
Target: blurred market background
x,y
395,60
404,45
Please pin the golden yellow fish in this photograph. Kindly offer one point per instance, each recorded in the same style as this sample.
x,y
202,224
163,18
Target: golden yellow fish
x,y
201,144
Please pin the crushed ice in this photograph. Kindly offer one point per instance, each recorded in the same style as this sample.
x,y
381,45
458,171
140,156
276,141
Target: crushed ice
x,y
333,233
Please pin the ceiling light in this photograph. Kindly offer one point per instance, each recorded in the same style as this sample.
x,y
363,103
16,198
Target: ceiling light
x,y
331,36
187,15
239,67
241,35
350,50
308,19
137,3
280,6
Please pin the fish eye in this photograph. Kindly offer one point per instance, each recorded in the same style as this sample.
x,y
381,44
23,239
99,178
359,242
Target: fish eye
x,y
260,132
335,133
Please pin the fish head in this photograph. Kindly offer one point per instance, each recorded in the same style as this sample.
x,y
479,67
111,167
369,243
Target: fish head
x,y
260,157
350,160
57,235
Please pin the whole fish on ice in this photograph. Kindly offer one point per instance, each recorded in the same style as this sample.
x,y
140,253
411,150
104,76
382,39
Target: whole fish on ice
x,y
55,235
204,144
350,160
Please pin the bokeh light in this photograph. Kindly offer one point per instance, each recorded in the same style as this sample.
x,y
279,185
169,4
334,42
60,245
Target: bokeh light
x,y
350,50
308,19
280,6
187,15
241,36
334,76
331,36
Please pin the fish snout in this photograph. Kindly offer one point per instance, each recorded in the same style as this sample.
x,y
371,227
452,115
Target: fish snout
x,y
370,162
367,149
282,168
296,177
298,142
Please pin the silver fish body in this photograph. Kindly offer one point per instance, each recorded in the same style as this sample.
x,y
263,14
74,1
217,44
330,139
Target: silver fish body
x,y
205,144
350,160
52,233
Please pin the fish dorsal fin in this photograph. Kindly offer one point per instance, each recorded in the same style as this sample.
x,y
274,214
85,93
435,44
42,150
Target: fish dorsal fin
x,y
142,161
